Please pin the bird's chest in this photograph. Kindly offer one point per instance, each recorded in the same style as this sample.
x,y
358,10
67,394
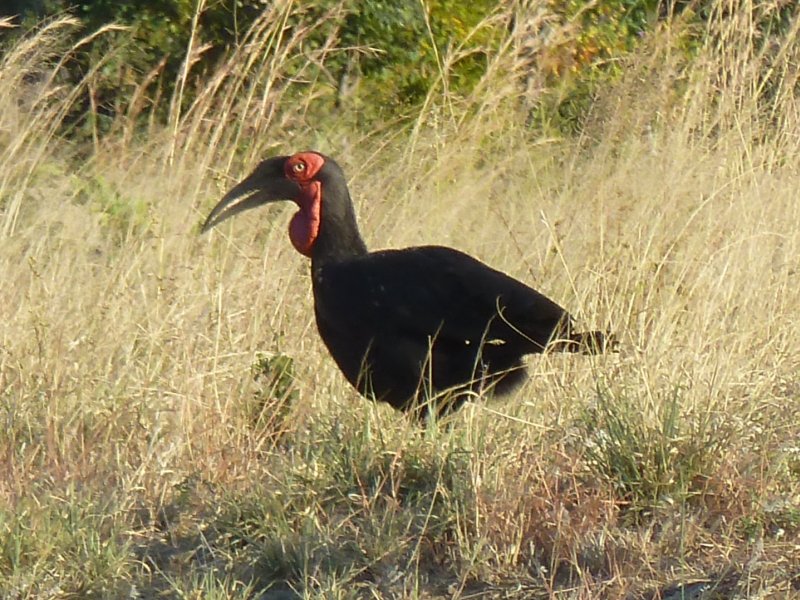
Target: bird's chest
x,y
345,305
345,323
364,312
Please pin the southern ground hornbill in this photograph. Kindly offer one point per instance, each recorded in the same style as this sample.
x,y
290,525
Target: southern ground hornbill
x,y
418,327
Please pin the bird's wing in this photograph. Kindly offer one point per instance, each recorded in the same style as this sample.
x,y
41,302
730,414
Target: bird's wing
x,y
433,291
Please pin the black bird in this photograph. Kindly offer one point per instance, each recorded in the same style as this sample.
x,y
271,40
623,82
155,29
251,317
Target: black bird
x,y
417,327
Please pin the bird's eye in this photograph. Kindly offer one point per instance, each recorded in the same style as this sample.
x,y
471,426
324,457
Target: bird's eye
x,y
299,167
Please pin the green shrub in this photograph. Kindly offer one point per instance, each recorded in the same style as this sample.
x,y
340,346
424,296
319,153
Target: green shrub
x,y
650,448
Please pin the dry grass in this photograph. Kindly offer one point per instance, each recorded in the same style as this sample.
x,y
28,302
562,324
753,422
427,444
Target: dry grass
x,y
140,456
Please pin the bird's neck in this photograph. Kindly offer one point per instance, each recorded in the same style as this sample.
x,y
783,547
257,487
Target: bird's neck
x,y
338,240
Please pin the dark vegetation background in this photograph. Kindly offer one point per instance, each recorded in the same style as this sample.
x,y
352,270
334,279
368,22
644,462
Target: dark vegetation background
x,y
387,54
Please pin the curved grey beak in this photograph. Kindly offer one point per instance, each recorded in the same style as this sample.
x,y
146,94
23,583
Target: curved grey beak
x,y
267,183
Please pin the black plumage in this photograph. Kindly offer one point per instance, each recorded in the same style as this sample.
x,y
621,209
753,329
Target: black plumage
x,y
414,327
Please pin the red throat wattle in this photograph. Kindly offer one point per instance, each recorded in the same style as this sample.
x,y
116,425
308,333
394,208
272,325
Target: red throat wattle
x,y
304,226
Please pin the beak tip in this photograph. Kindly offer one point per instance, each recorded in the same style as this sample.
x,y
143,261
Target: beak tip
x,y
204,226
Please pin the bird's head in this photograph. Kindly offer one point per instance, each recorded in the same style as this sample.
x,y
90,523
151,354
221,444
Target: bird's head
x,y
299,178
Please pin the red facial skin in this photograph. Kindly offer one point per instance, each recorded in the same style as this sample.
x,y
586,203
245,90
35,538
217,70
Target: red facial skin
x,y
304,226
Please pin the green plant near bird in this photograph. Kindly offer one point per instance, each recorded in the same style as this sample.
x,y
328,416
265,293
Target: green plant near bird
x,y
121,214
275,389
651,450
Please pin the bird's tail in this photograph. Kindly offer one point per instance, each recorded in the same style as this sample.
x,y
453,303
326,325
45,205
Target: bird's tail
x,y
586,342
